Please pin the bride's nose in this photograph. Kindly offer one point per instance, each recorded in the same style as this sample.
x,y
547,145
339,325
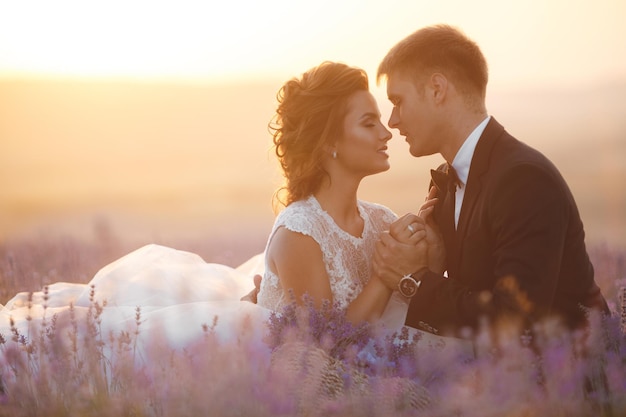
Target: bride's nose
x,y
386,136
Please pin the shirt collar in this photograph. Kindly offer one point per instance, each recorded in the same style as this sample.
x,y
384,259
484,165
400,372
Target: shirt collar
x,y
463,158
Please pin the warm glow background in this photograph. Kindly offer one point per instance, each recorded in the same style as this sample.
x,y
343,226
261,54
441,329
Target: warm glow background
x,y
150,116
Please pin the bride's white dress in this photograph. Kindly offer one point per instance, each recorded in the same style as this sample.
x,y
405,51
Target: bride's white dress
x,y
176,294
348,258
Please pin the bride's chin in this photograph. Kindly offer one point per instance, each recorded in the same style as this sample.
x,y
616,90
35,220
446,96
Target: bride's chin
x,y
382,169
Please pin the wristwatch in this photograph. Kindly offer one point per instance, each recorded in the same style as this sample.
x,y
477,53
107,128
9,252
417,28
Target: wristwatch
x,y
409,284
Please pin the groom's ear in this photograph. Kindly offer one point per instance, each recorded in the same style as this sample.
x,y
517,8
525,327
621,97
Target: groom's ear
x,y
438,84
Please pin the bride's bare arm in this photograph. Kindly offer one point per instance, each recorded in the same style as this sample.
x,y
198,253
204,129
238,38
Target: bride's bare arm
x,y
297,259
371,302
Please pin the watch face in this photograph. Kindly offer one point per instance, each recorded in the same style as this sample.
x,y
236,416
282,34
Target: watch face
x,y
408,286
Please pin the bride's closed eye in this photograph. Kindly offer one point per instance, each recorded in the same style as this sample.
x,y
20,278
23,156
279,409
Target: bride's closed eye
x,y
369,121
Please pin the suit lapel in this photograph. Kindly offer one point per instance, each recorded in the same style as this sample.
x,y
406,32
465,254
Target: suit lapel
x,y
478,167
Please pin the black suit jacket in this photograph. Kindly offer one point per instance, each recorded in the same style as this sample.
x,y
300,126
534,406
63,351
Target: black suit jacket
x,y
519,249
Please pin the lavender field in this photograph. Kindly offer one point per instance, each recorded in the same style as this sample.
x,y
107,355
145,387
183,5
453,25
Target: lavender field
x,y
311,363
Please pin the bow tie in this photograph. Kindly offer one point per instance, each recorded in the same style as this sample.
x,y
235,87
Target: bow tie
x,y
446,178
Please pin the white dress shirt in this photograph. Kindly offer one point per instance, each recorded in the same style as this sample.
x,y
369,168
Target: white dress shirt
x,y
461,164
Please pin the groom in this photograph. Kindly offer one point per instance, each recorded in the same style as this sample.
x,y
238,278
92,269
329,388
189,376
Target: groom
x,y
505,227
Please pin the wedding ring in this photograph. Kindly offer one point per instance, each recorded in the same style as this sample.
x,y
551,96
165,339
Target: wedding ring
x,y
411,228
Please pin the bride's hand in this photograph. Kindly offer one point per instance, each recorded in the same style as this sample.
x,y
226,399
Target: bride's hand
x,y
434,238
408,229
426,210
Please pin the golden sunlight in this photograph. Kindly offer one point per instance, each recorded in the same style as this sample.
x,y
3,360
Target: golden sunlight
x,y
154,113
184,40
219,39
137,39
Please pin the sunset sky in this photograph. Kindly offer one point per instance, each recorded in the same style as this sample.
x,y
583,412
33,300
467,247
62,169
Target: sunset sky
x,y
529,41
133,105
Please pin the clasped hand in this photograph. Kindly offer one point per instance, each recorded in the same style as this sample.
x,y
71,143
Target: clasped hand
x,y
412,243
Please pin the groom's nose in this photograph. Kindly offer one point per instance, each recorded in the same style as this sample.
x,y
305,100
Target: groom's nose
x,y
394,120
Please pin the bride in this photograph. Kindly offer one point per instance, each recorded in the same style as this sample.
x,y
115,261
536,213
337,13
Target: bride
x,y
328,136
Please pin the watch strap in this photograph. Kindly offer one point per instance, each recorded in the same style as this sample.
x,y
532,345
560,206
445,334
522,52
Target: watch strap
x,y
419,274
410,283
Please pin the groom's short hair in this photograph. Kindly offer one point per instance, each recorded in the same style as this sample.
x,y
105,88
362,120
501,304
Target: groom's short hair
x,y
439,48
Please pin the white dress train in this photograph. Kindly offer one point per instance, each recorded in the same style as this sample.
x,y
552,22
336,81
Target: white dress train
x,y
176,295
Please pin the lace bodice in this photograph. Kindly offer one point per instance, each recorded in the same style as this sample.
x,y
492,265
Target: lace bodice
x,y
348,259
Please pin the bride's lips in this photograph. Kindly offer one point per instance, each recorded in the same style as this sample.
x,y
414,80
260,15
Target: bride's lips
x,y
383,150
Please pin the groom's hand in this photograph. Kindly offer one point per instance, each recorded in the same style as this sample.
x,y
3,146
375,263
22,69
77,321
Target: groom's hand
x,y
394,259
252,295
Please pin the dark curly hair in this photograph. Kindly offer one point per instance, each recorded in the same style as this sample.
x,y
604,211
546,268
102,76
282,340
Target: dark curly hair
x,y
308,120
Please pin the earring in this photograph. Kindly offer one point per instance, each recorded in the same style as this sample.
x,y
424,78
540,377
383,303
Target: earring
x,y
334,154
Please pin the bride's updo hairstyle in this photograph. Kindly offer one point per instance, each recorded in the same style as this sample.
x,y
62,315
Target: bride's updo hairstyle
x,y
308,121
